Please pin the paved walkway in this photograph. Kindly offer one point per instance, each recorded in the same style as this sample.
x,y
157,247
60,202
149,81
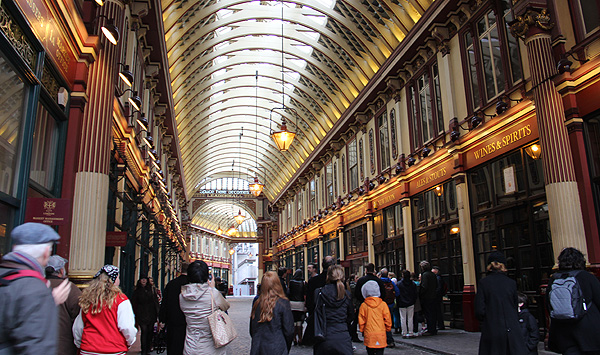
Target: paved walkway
x,y
447,342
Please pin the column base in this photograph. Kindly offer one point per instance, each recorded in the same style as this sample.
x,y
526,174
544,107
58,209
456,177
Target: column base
x,y
471,322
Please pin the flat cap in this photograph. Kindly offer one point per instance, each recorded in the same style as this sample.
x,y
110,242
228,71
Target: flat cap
x,y
57,262
33,233
497,257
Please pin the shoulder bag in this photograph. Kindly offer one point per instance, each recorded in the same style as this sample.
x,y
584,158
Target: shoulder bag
x,y
320,319
221,326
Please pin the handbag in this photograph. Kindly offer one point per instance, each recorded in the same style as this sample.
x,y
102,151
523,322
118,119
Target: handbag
x,y
320,320
221,326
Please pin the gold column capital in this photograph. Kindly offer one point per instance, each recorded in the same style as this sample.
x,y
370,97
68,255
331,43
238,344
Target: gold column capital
x,y
522,24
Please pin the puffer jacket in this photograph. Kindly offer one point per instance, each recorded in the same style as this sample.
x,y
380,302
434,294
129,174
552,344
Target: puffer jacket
x,y
374,320
195,302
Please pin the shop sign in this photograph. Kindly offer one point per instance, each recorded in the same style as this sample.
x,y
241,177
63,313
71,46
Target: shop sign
x,y
386,199
298,241
355,214
437,174
360,255
50,33
50,211
331,225
501,142
310,235
116,239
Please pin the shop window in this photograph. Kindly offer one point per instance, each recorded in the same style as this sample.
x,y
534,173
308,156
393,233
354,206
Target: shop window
x,y
353,165
492,54
44,153
587,15
331,245
592,140
426,103
335,180
384,142
343,174
329,183
393,137
12,95
356,239
313,252
313,197
299,205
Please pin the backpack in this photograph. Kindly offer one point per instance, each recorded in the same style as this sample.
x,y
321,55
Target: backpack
x,y
13,274
390,296
566,301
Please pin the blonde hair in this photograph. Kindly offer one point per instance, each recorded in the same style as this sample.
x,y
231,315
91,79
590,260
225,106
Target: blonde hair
x,y
335,274
270,292
495,266
100,292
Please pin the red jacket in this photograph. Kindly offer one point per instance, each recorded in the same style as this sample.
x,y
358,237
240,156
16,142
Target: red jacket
x,y
374,320
101,330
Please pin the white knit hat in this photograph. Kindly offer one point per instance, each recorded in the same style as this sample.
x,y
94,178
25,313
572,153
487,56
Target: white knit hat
x,y
370,289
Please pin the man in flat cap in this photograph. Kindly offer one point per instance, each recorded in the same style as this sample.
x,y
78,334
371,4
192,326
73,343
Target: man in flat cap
x,y
28,315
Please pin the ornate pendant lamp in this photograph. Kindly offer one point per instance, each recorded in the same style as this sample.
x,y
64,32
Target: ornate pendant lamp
x,y
256,188
283,138
239,218
219,231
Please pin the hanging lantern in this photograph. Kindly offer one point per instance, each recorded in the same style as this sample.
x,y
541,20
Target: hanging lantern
x,y
239,218
283,138
231,231
219,231
256,188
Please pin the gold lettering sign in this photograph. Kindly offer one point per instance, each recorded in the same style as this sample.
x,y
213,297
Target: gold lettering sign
x,y
436,175
354,215
382,202
503,142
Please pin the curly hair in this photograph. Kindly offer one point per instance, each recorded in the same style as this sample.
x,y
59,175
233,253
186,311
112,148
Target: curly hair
x,y
100,292
571,259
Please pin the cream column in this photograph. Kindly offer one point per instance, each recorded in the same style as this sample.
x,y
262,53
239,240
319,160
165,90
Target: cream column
x,y
408,234
466,233
321,256
88,230
342,250
305,251
370,247
564,208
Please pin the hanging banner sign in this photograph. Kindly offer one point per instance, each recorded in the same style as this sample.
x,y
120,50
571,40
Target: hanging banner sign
x,y
116,239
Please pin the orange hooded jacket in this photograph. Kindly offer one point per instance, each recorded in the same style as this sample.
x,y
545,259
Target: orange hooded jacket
x,y
374,320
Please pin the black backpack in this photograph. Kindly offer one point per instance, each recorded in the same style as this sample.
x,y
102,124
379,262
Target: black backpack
x,y
565,298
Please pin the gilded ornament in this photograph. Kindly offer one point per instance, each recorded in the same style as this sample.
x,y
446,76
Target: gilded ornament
x,y
521,25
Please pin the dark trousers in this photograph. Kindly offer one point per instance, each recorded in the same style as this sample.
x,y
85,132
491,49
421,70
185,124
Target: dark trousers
x,y
375,351
439,308
309,333
430,313
353,328
147,333
175,339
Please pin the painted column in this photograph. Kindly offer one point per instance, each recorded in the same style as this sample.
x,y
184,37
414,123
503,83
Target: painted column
x,y
370,247
564,208
321,256
409,254
467,251
305,250
88,230
342,250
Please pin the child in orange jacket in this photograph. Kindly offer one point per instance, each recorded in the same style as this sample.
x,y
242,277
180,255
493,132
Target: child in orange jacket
x,y
374,319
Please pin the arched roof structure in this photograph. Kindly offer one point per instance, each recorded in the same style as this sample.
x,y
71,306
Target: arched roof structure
x,y
225,62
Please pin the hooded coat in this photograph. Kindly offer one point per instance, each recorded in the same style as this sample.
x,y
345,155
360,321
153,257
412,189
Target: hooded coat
x,y
497,308
374,317
195,302
338,315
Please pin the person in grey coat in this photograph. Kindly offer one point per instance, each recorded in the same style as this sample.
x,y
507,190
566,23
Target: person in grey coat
x,y
27,308
496,307
271,320
196,302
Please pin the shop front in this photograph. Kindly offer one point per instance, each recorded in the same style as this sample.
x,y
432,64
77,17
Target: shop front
x,y
34,115
331,245
357,256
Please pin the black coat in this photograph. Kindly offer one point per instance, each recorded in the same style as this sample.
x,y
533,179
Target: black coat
x,y
363,280
583,334
338,315
529,331
273,337
314,283
408,293
145,305
429,286
170,313
497,308
297,290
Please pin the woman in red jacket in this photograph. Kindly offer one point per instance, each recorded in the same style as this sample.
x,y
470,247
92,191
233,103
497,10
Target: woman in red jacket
x,y
105,324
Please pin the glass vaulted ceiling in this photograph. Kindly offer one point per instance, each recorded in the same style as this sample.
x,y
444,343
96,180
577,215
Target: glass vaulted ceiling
x,y
331,49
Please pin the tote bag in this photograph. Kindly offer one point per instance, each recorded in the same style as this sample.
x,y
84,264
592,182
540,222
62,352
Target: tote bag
x,y
320,322
221,326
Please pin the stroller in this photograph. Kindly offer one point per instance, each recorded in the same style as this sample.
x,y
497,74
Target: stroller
x,y
159,339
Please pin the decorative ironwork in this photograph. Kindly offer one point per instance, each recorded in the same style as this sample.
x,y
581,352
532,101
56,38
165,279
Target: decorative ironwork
x,y
393,134
50,83
17,38
372,151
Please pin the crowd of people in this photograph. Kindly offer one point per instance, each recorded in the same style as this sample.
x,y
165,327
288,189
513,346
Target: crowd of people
x,y
102,320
